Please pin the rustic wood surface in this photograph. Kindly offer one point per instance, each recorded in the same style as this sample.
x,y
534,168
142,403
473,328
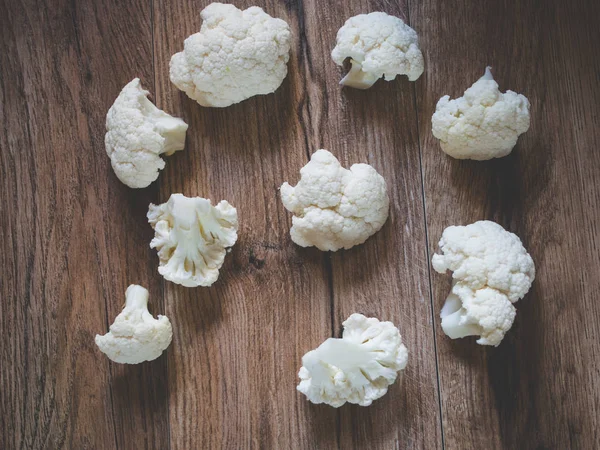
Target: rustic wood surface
x,y
74,237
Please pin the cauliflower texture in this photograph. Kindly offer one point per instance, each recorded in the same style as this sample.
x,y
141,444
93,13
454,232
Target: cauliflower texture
x,y
358,368
485,312
335,207
137,133
236,55
491,270
192,238
379,45
135,336
482,124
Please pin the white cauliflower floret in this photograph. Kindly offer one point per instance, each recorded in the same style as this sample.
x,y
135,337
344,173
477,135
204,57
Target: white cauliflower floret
x,y
137,133
491,270
379,45
485,312
358,368
136,336
482,124
236,55
335,207
192,238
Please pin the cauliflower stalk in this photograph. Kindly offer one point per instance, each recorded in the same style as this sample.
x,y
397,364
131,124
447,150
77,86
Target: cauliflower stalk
x,y
358,368
491,271
135,336
378,45
335,207
236,55
137,133
482,124
192,238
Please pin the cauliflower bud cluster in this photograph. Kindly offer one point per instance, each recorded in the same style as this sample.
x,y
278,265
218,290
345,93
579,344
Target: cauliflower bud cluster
x,y
137,133
236,55
482,124
358,368
192,237
136,336
378,45
335,207
491,271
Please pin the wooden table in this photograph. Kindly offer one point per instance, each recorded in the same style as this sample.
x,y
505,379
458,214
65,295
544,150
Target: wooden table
x,y
74,237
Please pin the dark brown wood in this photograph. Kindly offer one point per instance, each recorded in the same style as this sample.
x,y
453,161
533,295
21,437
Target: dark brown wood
x,y
539,388
75,237
386,277
238,345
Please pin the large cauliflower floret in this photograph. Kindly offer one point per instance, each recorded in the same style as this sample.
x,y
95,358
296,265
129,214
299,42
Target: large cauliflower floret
x,y
358,368
482,124
379,45
236,55
491,270
136,336
335,207
192,238
137,133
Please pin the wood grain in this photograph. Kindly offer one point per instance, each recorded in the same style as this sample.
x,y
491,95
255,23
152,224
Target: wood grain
x,y
238,345
387,277
539,389
74,237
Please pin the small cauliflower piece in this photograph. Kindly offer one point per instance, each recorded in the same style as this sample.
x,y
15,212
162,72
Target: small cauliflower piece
x,y
192,238
491,271
236,55
485,312
137,133
378,45
482,124
136,336
335,207
358,368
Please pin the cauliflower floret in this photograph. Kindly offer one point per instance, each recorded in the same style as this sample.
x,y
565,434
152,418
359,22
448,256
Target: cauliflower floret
x,y
192,238
358,368
135,336
485,312
482,124
137,132
236,55
335,207
491,270
379,45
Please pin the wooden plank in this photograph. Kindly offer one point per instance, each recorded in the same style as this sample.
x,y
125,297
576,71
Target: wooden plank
x,y
386,277
238,345
539,388
74,237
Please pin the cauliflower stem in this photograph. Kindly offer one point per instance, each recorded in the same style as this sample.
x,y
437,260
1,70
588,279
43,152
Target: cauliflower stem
x,y
357,78
452,315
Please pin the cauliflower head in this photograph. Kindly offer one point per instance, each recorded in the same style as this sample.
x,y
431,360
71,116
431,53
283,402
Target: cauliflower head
x,y
491,270
192,238
236,55
358,368
378,45
137,133
136,336
482,124
335,207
